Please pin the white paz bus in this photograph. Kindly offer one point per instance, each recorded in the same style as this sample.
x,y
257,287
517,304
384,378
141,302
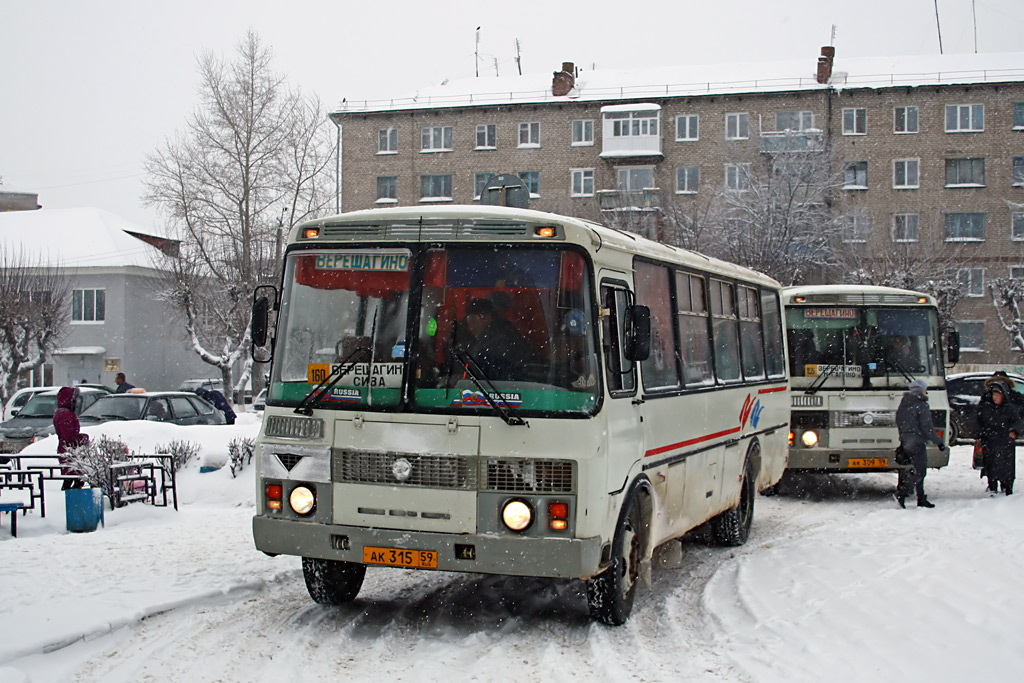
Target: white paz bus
x,y
853,349
504,391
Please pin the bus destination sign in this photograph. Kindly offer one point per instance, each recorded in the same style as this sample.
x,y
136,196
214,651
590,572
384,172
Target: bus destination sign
x,y
830,314
386,261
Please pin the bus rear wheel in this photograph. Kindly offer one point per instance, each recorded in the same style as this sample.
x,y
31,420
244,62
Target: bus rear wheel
x,y
610,594
732,527
331,582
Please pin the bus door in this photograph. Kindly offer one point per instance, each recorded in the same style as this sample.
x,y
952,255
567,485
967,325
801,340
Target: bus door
x,y
626,442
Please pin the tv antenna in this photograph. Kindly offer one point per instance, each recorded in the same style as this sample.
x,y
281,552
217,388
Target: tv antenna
x,y
519,62
476,51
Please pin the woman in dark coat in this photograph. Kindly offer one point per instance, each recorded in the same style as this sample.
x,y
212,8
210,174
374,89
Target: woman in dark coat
x,y
69,433
998,426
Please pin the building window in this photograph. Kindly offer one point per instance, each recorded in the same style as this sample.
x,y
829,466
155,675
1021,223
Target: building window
x,y
905,120
436,139
1017,272
904,174
737,126
855,122
965,118
855,229
965,172
1017,225
794,120
582,182
582,132
635,178
971,280
532,180
687,127
855,176
1018,115
687,179
737,177
387,189
634,124
479,181
1018,171
972,335
486,136
88,305
905,227
965,227
529,134
387,141
435,188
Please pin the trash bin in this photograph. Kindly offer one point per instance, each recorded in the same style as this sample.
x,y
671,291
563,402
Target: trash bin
x,y
84,508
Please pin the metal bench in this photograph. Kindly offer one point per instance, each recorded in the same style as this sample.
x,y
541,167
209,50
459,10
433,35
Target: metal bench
x,y
12,510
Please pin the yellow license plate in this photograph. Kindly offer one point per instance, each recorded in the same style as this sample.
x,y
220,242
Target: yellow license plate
x,y
868,462
400,557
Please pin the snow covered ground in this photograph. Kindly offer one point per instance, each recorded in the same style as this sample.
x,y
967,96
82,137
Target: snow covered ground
x,y
836,583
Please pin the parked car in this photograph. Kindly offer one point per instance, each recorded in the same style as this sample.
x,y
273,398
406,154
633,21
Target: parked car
x,y
965,390
217,385
20,398
178,407
260,402
35,419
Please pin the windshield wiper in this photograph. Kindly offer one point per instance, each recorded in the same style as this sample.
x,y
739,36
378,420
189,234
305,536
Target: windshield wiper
x,y
321,391
476,374
897,366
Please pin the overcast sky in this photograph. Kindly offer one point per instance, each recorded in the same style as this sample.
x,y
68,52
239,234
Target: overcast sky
x,y
91,88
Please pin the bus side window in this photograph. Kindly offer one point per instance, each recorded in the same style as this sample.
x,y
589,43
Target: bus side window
x,y
621,372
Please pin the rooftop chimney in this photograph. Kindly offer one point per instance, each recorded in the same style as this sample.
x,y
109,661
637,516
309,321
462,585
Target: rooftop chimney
x,y
828,52
564,80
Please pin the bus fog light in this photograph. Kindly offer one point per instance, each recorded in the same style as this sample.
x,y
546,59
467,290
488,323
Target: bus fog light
x,y
809,438
302,500
517,515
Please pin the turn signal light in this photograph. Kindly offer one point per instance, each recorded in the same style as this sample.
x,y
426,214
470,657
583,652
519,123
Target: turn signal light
x,y
274,493
311,233
558,516
545,231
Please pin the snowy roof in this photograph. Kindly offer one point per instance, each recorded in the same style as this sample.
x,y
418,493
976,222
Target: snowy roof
x,y
715,79
76,238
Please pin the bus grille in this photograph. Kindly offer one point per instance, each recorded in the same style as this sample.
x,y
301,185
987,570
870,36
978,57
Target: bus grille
x,y
530,476
864,419
433,471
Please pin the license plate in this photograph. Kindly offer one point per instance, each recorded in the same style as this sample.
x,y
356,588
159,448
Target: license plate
x,y
400,557
868,462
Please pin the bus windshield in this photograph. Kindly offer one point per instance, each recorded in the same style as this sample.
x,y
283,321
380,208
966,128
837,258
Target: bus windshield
x,y
863,342
516,322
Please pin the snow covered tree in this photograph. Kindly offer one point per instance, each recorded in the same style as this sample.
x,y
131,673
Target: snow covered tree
x,y
34,312
1008,299
774,216
253,160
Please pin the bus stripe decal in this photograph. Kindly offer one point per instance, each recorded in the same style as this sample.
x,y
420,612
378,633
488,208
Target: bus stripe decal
x,y
772,390
679,457
690,442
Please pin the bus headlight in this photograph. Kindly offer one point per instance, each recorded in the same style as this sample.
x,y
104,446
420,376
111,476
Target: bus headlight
x,y
302,500
517,515
809,438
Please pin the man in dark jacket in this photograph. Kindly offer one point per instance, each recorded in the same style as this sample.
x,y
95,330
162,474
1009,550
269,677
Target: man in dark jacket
x,y
69,435
914,421
122,384
219,402
998,427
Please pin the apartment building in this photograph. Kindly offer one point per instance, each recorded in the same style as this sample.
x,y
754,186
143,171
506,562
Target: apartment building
x,y
927,151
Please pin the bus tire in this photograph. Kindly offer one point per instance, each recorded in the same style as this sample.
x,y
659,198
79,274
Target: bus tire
x,y
610,594
331,582
732,527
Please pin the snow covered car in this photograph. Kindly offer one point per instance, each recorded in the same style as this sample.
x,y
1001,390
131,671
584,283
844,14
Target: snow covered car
x,y
260,401
20,398
178,407
35,420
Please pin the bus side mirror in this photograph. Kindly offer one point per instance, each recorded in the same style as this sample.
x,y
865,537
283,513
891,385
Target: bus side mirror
x,y
638,333
953,347
262,297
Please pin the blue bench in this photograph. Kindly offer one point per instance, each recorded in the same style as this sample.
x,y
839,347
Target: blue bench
x,y
12,510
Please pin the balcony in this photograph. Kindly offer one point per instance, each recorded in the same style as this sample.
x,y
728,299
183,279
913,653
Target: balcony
x,y
647,199
792,141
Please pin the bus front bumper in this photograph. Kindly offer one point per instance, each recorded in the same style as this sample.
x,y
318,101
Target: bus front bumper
x,y
569,558
865,460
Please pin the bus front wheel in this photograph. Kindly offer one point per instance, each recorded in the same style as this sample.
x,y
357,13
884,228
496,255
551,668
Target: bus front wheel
x,y
331,582
732,527
610,594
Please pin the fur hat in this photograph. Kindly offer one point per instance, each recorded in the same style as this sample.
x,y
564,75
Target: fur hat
x,y
918,387
999,376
